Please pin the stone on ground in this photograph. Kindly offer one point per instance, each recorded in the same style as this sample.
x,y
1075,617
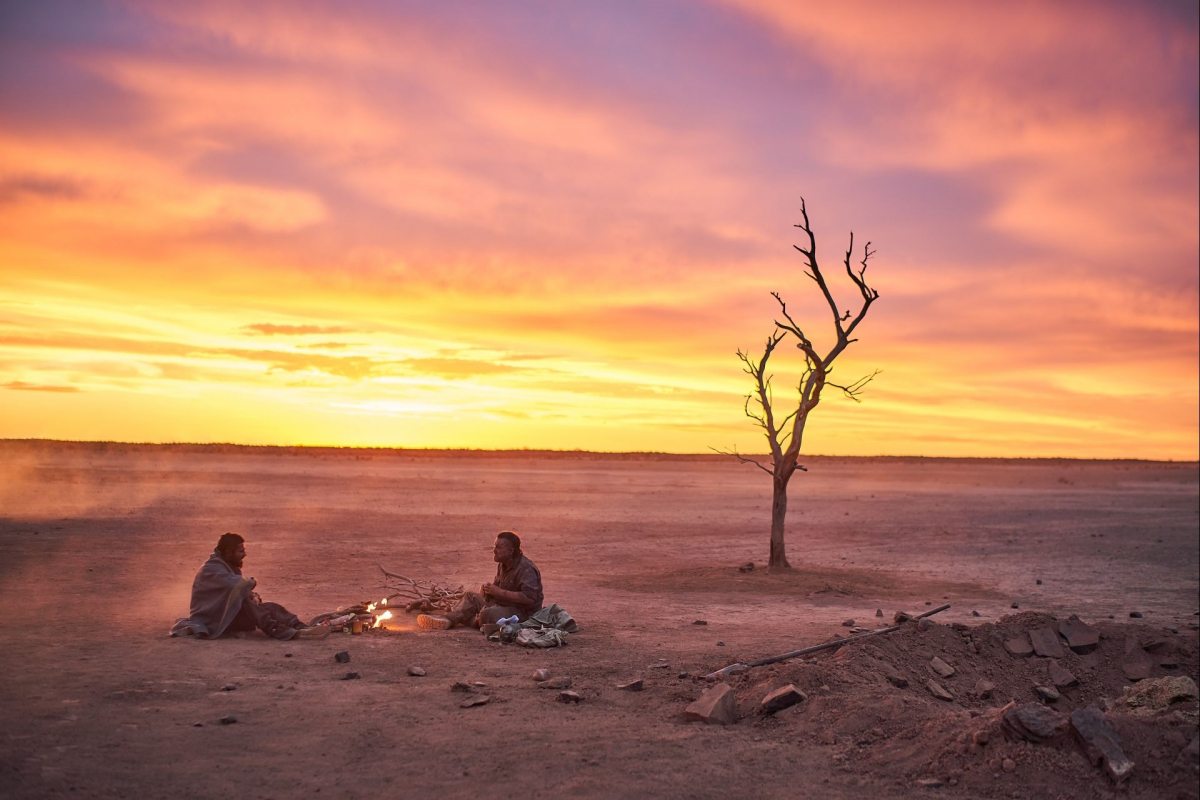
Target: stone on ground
x,y
937,691
1033,722
781,698
1047,693
541,674
717,706
1045,643
941,667
984,689
416,672
1060,676
1081,637
632,686
1100,742
555,683
1151,696
570,697
477,700
1019,646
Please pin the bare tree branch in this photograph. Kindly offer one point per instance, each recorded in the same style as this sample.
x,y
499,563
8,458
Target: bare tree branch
x,y
742,459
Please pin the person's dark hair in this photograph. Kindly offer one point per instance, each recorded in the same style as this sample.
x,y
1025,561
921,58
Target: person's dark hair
x,y
512,539
229,542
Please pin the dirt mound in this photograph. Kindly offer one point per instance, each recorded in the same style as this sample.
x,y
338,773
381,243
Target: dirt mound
x,y
923,706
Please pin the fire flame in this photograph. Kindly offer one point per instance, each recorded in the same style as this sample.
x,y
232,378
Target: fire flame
x,y
383,602
379,620
371,607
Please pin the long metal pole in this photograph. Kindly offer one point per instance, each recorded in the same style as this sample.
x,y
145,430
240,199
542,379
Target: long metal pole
x,y
762,662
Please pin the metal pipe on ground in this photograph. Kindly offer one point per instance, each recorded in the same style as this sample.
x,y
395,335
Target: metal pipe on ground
x,y
762,662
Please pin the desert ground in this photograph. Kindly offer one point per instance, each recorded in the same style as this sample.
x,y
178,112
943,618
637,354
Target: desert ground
x,y
99,543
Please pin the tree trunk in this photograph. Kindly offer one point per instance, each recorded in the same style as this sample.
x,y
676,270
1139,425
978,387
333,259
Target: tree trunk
x,y
778,559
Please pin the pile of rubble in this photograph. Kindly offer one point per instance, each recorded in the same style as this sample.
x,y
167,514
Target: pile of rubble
x,y
994,708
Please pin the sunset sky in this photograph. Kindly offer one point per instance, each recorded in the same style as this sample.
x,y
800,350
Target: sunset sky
x,y
551,225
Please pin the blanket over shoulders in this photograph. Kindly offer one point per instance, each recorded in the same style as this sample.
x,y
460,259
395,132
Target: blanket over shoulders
x,y
217,595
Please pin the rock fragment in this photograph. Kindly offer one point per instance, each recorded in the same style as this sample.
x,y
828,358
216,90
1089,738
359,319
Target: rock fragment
x,y
717,706
879,612
1135,615
1019,646
1189,757
1081,637
541,674
975,613
849,623
1060,676
1100,742
747,567
1045,643
477,700
1138,666
1151,696
941,667
1047,694
460,686
555,683
1033,722
700,622
781,698
1008,765
937,691
342,657
984,689
632,686
228,719
229,687
351,676
416,672
570,697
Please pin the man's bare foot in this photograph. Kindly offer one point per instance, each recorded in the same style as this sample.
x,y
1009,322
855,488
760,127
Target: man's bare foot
x,y
431,623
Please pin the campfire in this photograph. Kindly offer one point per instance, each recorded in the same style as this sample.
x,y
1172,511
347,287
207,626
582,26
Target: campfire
x,y
425,597
357,618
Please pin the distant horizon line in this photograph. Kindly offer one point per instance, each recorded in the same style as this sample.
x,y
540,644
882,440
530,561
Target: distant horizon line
x,y
551,451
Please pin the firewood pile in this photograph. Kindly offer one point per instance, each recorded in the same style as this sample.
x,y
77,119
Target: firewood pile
x,y
425,597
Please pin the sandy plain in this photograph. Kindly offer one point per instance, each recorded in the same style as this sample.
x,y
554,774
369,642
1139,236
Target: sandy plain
x,y
98,545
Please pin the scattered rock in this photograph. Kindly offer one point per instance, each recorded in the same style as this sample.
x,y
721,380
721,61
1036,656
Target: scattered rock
x,y
1047,694
1100,742
896,679
416,672
1135,614
459,686
1008,765
901,617
632,686
555,683
700,622
287,655
849,623
1019,646
660,665
941,667
342,657
1159,647
477,700
929,783
747,567
781,698
542,674
717,706
478,683
1081,637
570,697
351,676
197,724
228,719
937,691
229,687
879,612
981,737
1015,604
683,676
984,689
1045,643
1039,581
1060,676
1033,722
925,624
975,613
720,644
1138,666
1151,696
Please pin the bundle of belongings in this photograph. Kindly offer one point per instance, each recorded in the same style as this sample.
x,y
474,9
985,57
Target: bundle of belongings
x,y
546,628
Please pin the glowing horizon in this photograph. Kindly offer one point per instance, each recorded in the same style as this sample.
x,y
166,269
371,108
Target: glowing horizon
x,y
542,227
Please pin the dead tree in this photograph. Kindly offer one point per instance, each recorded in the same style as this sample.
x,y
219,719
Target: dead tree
x,y
785,441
